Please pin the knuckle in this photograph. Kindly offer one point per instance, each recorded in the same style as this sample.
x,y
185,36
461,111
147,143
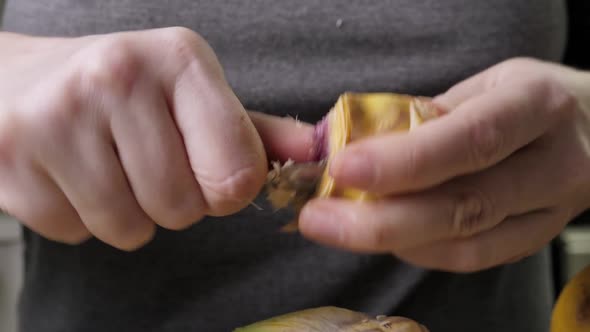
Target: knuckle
x,y
184,44
139,240
123,233
111,65
552,100
114,218
177,212
56,224
566,104
414,165
558,101
190,51
486,142
470,212
184,37
74,237
508,69
233,190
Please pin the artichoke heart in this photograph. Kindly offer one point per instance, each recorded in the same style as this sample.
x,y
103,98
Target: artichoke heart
x,y
333,319
354,116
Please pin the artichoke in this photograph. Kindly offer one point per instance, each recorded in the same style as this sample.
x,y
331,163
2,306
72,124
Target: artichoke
x,y
333,319
354,116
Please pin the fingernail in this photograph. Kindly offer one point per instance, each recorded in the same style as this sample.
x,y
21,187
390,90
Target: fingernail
x,y
322,222
352,169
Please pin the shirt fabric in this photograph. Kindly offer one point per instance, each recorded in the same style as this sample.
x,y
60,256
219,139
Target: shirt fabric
x,y
291,58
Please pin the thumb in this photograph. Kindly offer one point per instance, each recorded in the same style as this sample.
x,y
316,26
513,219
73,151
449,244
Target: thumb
x,y
284,138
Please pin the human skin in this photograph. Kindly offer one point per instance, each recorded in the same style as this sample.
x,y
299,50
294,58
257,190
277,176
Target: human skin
x,y
490,182
108,136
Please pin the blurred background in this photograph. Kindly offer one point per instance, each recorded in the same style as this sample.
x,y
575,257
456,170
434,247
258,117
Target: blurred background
x,y
571,250
10,264
10,272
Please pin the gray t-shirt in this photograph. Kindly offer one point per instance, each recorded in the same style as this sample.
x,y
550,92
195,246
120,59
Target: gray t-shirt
x,y
291,57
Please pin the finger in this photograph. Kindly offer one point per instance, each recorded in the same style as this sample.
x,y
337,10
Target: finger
x,y
516,69
515,186
32,198
224,149
514,239
370,227
225,152
94,182
471,87
155,161
457,209
477,134
26,191
284,138
398,223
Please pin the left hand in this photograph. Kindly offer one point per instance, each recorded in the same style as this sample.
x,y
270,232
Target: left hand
x,y
491,182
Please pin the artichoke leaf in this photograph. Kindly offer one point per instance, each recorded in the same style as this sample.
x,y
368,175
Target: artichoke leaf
x,y
333,319
353,117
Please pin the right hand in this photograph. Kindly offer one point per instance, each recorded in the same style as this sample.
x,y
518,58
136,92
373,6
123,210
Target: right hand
x,y
109,135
